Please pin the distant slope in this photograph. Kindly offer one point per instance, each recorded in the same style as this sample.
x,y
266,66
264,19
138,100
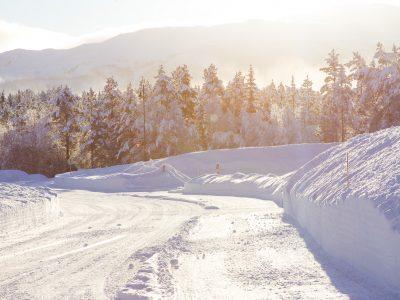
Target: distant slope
x,y
276,49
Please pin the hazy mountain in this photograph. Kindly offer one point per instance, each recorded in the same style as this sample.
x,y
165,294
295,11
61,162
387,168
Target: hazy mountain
x,y
276,49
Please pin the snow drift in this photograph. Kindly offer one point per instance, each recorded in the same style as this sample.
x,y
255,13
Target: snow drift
x,y
268,187
353,215
277,160
351,207
17,175
149,176
257,172
23,202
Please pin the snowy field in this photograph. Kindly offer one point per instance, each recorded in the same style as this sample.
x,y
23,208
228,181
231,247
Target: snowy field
x,y
287,222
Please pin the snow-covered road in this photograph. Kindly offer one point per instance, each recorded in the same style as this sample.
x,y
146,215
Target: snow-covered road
x,y
175,246
86,255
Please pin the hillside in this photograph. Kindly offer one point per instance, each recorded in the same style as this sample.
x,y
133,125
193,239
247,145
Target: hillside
x,y
278,49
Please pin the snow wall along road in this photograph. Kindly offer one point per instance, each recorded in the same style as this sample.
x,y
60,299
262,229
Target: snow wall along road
x,y
354,214
151,175
24,202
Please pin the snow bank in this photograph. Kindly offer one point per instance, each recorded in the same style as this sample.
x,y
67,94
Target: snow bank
x,y
277,160
267,187
269,170
149,176
354,216
136,177
16,175
353,213
23,206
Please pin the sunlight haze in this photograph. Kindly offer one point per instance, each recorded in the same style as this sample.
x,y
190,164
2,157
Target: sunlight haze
x,y
22,26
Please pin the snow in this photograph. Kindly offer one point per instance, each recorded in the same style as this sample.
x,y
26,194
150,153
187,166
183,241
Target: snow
x,y
146,176
353,215
268,187
136,233
136,177
358,223
247,249
16,175
24,202
277,160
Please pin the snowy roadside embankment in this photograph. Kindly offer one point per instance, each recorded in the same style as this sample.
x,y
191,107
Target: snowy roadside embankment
x,y
125,178
173,172
278,160
354,215
268,187
269,168
23,203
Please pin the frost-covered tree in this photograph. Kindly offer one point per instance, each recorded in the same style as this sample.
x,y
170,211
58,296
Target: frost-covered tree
x,y
233,104
235,95
145,106
19,107
385,87
336,96
281,95
185,92
64,120
93,129
251,91
4,111
210,106
129,128
293,95
359,76
111,101
291,133
308,111
170,131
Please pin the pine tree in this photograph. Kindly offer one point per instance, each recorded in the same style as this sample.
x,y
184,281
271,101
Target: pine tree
x,y
251,91
171,131
336,93
293,92
111,98
359,74
4,111
210,101
235,95
308,110
383,88
63,118
233,103
282,95
144,127
93,128
185,93
129,129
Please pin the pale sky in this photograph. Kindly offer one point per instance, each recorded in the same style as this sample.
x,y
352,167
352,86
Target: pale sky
x,y
39,24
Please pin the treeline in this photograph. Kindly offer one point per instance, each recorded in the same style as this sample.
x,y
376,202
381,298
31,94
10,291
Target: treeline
x,y
47,132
